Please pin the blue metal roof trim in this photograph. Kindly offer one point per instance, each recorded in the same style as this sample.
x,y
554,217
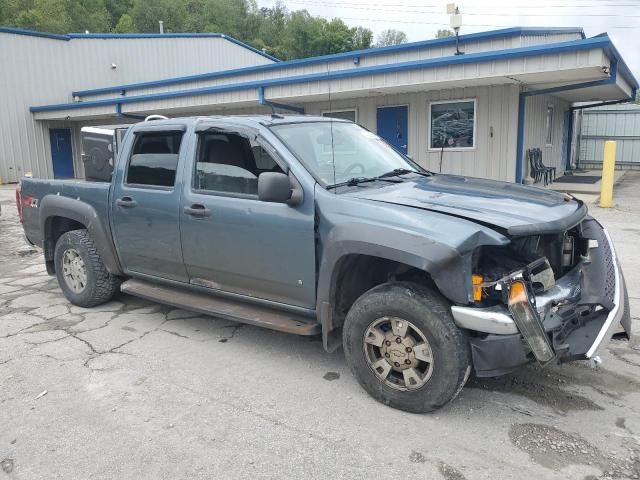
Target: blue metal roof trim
x,y
336,74
622,66
253,49
111,36
31,33
116,36
502,33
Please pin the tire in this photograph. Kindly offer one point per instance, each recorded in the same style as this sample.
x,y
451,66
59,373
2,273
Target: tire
x,y
426,315
99,286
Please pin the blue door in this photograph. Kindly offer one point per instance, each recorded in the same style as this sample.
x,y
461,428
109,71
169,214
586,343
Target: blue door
x,y
393,126
61,153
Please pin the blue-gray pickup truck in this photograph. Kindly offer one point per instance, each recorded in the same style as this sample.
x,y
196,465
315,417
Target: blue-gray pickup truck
x,y
316,226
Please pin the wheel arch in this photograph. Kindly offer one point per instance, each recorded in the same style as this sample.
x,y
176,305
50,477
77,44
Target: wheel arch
x,y
369,264
59,215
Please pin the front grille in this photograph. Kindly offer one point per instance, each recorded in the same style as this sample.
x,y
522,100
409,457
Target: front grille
x,y
610,272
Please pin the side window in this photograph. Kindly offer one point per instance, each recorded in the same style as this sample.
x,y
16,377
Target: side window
x,y
230,163
452,124
351,115
549,127
154,159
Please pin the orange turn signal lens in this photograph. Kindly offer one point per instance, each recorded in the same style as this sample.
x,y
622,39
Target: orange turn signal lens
x,y
518,293
477,280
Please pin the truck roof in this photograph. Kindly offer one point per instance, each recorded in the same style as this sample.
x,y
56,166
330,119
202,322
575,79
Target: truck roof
x,y
247,120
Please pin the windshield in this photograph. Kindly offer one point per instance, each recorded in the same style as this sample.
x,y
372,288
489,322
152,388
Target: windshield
x,y
348,152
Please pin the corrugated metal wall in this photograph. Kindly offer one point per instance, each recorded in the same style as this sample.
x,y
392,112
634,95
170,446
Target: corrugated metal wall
x,y
535,131
496,127
613,122
55,67
39,71
496,124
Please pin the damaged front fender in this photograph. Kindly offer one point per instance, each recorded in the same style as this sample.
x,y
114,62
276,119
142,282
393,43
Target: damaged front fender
x,y
438,244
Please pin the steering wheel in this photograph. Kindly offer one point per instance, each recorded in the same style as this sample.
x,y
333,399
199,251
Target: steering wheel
x,y
352,167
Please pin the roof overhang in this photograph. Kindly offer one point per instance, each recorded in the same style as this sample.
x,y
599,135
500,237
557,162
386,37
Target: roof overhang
x,y
579,70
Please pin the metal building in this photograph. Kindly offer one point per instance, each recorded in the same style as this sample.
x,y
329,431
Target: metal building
x,y
474,113
610,122
42,68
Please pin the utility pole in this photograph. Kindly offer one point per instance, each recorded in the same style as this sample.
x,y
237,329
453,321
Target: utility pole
x,y
161,23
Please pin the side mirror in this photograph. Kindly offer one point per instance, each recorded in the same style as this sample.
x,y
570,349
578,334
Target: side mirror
x,y
277,187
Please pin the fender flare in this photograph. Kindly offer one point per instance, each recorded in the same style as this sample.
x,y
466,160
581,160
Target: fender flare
x,y
73,209
448,266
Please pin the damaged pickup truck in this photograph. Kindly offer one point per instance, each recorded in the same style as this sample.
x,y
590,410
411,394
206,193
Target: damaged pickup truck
x,y
316,226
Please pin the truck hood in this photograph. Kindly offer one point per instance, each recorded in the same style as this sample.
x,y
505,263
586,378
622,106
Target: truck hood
x,y
518,209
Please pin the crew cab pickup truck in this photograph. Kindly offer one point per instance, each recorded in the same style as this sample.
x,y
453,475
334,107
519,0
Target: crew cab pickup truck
x,y
316,226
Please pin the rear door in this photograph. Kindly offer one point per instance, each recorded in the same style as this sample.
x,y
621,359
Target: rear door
x,y
61,152
146,202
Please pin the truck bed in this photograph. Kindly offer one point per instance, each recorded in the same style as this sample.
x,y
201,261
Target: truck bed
x,y
34,190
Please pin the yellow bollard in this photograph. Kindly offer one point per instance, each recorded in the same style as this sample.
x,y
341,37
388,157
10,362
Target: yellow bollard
x,y
608,174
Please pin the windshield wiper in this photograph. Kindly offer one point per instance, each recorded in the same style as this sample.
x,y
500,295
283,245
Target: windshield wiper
x,y
352,182
403,171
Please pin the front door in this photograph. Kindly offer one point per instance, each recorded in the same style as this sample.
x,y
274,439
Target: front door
x,y
61,152
146,204
393,126
234,242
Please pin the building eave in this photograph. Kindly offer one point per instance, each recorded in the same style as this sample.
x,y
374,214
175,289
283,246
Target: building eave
x,y
356,54
120,36
507,54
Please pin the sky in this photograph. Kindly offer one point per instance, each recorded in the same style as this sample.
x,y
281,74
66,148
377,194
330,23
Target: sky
x,y
421,20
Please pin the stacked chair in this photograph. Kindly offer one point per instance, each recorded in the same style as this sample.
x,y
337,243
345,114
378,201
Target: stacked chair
x,y
539,171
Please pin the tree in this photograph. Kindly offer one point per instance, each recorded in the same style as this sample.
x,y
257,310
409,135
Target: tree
x,y
391,37
91,15
336,37
125,25
275,30
46,16
361,38
116,9
147,13
303,35
444,33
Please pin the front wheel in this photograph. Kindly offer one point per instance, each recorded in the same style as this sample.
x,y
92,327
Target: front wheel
x,y
402,345
82,276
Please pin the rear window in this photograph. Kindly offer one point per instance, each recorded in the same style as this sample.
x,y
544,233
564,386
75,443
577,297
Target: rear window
x,y
154,159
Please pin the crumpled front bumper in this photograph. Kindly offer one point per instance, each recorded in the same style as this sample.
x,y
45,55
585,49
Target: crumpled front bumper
x,y
579,313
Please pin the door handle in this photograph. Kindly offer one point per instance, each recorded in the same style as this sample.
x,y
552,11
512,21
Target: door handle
x,y
126,202
197,210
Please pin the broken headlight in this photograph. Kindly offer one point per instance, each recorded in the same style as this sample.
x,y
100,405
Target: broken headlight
x,y
528,322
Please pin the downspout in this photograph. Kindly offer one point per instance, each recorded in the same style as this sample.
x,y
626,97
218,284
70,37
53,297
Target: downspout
x,y
522,105
119,113
263,101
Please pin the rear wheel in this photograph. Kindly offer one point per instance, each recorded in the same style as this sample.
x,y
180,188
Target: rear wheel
x,y
82,276
402,345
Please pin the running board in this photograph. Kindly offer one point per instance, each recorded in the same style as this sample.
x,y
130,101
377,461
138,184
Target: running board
x,y
217,306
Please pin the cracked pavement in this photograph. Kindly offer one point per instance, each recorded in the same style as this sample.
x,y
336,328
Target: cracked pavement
x,y
140,390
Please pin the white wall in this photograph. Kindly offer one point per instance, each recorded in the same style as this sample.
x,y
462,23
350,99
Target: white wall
x,y
496,127
37,71
535,131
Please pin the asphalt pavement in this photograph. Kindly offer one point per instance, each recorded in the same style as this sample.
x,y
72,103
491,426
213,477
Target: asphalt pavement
x,y
133,389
